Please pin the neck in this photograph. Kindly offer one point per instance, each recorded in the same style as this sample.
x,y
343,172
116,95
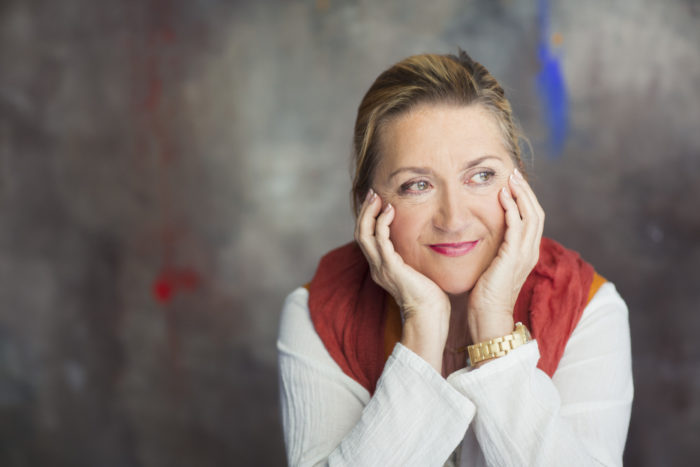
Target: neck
x,y
458,335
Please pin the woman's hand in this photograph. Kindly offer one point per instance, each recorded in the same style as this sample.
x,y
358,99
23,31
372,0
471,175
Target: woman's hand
x,y
425,308
492,300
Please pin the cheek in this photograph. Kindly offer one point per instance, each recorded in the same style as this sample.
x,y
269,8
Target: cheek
x,y
495,217
406,228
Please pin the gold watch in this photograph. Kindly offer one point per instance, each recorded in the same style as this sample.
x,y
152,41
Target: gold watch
x,y
499,346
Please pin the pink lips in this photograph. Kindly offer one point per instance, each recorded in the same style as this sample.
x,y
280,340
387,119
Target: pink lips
x,y
454,249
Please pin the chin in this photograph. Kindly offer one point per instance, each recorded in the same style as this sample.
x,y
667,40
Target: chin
x,y
455,285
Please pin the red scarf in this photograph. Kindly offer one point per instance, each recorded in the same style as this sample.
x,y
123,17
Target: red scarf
x,y
350,311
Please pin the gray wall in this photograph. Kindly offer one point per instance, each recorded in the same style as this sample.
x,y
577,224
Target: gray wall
x,y
169,171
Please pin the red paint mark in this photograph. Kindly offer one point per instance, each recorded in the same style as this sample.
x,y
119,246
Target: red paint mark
x,y
171,281
162,290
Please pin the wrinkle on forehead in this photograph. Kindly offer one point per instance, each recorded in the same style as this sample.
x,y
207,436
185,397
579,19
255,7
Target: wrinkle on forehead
x,y
404,135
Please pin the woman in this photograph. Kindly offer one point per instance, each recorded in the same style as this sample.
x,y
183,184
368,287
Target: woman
x,y
404,349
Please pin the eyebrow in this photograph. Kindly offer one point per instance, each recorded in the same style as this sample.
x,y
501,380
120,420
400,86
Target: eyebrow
x,y
428,170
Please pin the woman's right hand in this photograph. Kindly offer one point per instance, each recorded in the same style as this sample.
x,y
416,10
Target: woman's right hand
x,y
425,308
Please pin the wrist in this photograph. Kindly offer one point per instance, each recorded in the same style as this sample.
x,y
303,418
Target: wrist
x,y
427,345
489,327
486,351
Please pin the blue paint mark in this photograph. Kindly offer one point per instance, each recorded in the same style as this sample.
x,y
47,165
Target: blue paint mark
x,y
551,87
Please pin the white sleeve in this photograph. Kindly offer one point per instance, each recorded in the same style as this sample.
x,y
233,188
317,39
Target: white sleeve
x,y
413,418
417,418
579,417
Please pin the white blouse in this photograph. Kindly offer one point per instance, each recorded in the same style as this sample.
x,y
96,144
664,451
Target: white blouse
x,y
505,413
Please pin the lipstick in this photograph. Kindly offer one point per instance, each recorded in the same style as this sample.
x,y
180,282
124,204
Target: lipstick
x,y
454,249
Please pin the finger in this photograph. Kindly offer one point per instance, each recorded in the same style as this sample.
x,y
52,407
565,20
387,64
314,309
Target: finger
x,y
530,193
514,224
521,193
361,214
363,209
365,227
383,236
529,208
364,230
531,212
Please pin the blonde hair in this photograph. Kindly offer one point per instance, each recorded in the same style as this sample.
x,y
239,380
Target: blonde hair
x,y
420,79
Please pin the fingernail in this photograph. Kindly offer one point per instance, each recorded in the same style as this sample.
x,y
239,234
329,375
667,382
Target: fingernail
x,y
505,191
517,172
388,207
370,192
513,179
373,197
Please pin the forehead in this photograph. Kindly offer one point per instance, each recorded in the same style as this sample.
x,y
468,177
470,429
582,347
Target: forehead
x,y
439,133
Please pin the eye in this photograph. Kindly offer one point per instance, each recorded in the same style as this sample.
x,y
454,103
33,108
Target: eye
x,y
415,187
482,177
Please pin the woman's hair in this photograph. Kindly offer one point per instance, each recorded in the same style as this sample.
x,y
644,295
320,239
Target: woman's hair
x,y
421,79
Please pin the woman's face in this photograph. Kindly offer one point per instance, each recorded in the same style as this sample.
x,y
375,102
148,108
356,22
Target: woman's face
x,y
441,168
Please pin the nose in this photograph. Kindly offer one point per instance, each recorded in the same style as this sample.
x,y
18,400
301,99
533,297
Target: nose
x,y
452,214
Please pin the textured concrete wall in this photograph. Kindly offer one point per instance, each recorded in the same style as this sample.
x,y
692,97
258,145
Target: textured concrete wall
x,y
169,171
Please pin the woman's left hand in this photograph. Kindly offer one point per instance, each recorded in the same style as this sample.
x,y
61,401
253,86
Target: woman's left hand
x,y
492,300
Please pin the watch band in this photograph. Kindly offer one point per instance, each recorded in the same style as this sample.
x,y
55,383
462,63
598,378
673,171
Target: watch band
x,y
499,346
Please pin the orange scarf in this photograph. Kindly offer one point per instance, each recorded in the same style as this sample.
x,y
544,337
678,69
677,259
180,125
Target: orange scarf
x,y
354,319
